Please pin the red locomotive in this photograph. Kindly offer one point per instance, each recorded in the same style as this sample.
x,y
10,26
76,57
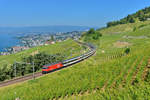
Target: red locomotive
x,y
51,67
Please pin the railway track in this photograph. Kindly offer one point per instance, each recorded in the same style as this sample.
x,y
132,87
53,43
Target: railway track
x,y
38,74
20,79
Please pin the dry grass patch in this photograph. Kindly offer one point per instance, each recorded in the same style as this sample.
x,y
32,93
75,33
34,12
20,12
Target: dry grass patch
x,y
120,44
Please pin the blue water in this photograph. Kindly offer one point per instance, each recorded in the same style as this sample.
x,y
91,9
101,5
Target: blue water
x,y
8,40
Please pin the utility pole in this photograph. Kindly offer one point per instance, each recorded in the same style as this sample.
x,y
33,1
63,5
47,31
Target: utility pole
x,y
15,69
33,69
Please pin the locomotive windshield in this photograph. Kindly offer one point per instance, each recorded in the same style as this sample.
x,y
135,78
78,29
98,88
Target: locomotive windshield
x,y
44,68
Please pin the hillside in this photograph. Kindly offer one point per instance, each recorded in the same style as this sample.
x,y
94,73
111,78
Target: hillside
x,y
50,49
40,56
110,74
141,15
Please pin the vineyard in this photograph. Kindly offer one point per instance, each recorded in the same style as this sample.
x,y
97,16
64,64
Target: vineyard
x,y
109,74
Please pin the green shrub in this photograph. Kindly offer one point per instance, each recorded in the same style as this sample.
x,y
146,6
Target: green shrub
x,y
127,50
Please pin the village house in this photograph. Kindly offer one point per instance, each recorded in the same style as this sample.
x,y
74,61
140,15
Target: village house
x,y
49,42
16,49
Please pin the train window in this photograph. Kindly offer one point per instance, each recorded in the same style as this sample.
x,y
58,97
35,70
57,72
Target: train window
x,y
44,68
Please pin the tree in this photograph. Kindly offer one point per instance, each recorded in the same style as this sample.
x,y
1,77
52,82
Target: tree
x,y
23,69
146,10
97,35
127,50
91,31
109,24
132,20
52,38
123,21
140,13
92,35
4,73
142,18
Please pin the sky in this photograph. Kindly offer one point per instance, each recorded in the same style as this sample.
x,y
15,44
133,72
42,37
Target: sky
x,y
66,12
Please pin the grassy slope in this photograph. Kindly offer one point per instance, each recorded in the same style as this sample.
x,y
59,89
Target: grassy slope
x,y
62,47
119,83
102,76
125,27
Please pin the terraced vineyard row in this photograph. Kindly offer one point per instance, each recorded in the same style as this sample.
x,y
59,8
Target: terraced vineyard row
x,y
132,65
115,84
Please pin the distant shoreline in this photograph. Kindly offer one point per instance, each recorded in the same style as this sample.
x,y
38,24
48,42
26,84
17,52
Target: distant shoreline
x,y
8,40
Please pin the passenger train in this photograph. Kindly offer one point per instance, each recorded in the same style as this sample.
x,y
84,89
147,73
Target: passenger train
x,y
55,66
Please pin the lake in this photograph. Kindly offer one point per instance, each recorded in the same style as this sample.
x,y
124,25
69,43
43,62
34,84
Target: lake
x,y
8,40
